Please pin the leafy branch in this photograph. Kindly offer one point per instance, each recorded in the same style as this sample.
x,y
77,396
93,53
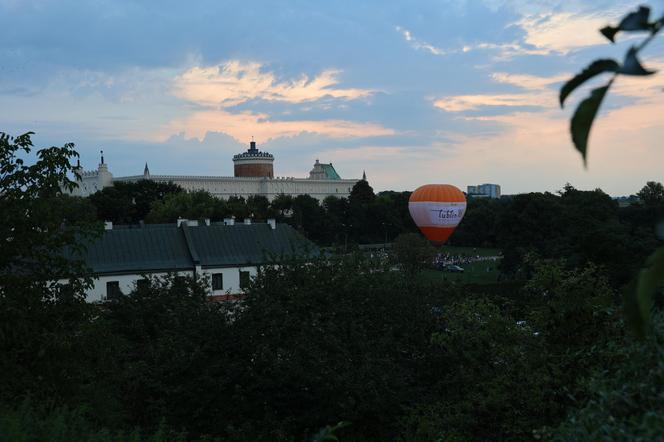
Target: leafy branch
x,y
586,111
651,276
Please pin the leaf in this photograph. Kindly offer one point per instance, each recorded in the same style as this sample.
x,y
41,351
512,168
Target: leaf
x,y
596,67
650,277
634,21
583,118
609,32
631,64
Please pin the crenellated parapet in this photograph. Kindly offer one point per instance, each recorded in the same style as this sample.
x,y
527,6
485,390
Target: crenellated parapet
x,y
253,163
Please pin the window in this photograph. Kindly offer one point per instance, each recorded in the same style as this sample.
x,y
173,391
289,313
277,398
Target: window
x,y
217,281
244,279
142,284
66,290
113,290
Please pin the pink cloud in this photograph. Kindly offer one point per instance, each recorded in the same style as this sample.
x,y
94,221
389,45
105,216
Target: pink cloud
x,y
235,82
246,124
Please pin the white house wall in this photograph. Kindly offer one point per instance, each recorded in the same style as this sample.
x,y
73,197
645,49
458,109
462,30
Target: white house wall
x,y
231,279
127,283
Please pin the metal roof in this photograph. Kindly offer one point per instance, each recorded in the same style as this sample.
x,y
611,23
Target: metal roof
x,y
219,245
330,173
170,248
138,250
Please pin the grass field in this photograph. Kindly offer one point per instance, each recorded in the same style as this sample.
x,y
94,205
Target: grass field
x,y
469,251
475,273
480,272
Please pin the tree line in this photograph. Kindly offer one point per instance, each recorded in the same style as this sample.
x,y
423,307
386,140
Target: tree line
x,y
580,226
363,217
511,223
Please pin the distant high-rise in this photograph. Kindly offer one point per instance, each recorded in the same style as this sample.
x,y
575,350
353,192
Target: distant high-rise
x,y
484,191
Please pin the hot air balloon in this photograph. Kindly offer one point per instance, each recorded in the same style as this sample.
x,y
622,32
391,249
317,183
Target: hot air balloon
x,y
437,209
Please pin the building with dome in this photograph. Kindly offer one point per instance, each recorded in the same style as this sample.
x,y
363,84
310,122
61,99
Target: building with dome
x,y
253,175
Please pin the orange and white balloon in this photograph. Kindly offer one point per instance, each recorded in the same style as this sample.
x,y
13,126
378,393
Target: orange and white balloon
x,y
437,210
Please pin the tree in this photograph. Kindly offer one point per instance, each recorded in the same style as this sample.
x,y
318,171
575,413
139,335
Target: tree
x,y
413,253
652,194
361,193
309,216
259,207
237,206
610,413
197,205
129,203
163,345
41,245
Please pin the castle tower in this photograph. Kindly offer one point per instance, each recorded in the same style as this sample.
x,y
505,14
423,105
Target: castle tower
x,y
253,163
104,177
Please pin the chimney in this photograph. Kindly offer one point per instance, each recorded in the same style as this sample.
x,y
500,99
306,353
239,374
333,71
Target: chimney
x,y
272,223
108,225
247,221
207,221
229,221
180,221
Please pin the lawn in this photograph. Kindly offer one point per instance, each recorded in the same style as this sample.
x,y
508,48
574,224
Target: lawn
x,y
475,273
479,272
468,251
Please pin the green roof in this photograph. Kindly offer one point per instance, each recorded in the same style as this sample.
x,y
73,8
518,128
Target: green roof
x,y
137,250
330,173
219,245
171,248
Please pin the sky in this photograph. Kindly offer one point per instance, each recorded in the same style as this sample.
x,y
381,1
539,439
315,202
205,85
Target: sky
x,y
412,92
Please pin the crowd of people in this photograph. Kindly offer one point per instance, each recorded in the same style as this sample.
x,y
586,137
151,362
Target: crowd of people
x,y
444,259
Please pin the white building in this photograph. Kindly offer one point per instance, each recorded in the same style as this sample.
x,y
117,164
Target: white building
x,y
227,254
484,191
253,176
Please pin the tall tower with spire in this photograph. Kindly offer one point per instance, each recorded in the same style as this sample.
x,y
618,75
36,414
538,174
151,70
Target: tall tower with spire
x,y
146,172
104,177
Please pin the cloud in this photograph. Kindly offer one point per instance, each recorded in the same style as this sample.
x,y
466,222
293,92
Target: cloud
x,y
529,82
565,31
537,93
419,44
506,51
236,82
245,124
460,103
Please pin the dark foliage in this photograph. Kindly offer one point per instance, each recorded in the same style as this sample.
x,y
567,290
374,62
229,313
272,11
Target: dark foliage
x,y
129,203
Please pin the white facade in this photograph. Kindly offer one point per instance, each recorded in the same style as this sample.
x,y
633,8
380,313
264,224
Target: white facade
x,y
225,187
127,282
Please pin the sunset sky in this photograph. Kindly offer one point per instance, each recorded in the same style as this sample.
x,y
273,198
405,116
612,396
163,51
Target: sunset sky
x,y
460,92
